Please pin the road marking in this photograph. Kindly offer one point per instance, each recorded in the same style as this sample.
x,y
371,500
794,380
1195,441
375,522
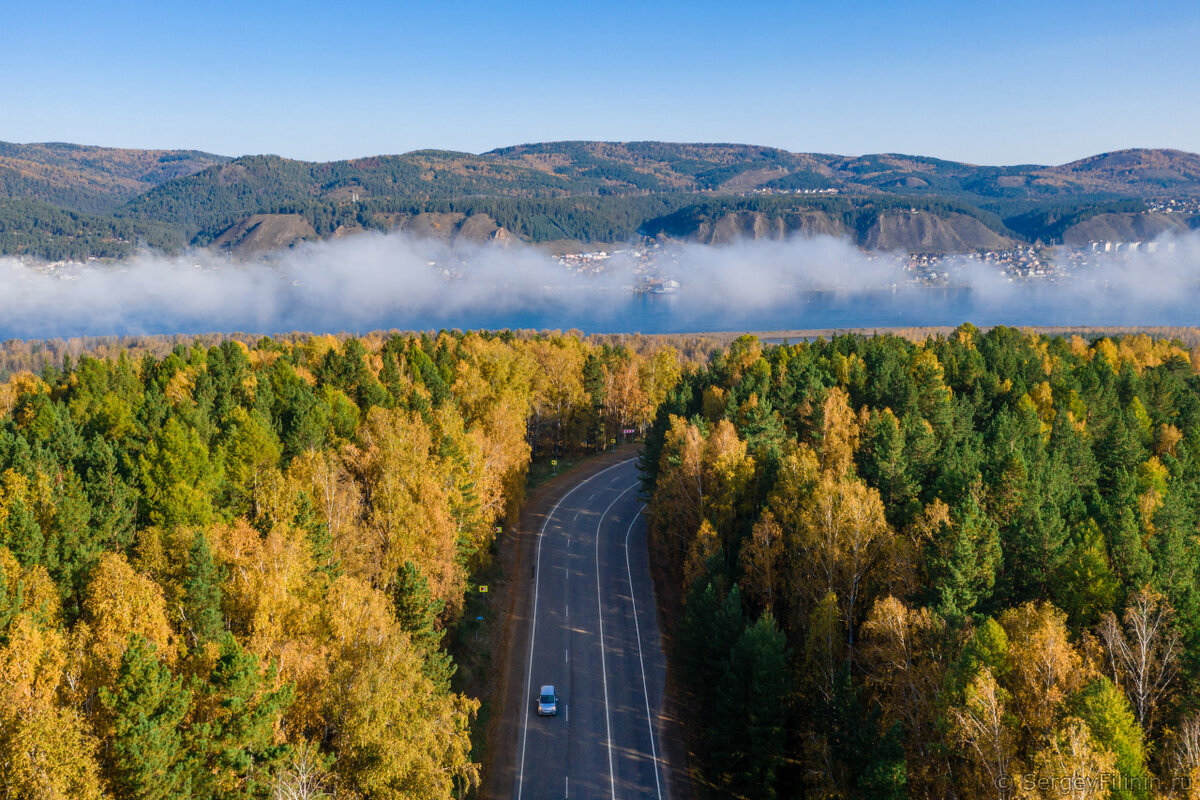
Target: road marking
x,y
612,780
537,570
638,630
567,656
566,786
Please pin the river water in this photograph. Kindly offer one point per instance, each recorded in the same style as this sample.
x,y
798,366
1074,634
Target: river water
x,y
659,314
622,312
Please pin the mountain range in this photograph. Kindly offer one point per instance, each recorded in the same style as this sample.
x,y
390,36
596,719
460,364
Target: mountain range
x,y
71,201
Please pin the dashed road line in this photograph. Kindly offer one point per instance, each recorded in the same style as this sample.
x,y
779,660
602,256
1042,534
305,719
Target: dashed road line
x,y
533,630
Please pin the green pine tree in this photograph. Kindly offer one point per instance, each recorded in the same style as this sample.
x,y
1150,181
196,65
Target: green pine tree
x,y
147,759
233,740
964,560
416,608
416,611
11,596
202,594
748,749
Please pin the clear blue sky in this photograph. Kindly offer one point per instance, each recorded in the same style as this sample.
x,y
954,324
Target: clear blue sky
x,y
992,82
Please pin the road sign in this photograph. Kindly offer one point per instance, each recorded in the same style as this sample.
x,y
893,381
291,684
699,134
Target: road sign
x,y
479,619
499,529
483,589
628,431
554,462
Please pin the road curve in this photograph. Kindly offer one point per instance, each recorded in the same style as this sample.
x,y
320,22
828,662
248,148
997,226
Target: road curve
x,y
593,633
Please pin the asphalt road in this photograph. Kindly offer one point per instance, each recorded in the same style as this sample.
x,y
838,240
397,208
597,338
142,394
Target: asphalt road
x,y
594,635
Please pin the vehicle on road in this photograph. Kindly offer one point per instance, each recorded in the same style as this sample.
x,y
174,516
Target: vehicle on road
x,y
547,702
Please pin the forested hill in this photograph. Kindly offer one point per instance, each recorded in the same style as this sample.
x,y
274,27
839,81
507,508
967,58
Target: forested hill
x,y
91,179
591,191
575,169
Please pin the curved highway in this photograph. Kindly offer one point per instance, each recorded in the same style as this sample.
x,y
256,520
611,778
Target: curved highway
x,y
593,634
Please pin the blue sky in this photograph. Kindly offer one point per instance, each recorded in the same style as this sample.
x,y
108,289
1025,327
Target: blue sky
x,y
992,83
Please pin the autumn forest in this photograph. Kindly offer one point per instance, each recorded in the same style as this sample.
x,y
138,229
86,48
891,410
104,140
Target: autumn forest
x,y
229,571
962,568
956,566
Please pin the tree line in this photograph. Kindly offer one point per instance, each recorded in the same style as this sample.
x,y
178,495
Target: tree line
x,y
228,570
959,567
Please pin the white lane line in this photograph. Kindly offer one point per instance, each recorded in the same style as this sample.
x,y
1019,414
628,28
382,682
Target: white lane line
x,y
537,573
612,780
566,786
593,497
567,656
638,630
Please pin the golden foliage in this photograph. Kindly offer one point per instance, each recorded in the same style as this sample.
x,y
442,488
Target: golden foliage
x,y
984,727
1043,667
839,432
1072,765
704,546
46,751
840,544
119,602
760,562
379,701
1140,350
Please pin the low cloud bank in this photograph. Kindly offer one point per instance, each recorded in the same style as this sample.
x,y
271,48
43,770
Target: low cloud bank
x,y
394,281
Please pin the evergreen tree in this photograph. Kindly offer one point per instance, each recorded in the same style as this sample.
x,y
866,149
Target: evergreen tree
x,y
416,608
233,736
752,697
112,499
417,611
202,594
963,562
710,628
178,477
147,759
12,593
869,763
21,533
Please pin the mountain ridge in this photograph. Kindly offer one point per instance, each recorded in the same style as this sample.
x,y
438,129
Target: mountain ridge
x,y
597,191
91,179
